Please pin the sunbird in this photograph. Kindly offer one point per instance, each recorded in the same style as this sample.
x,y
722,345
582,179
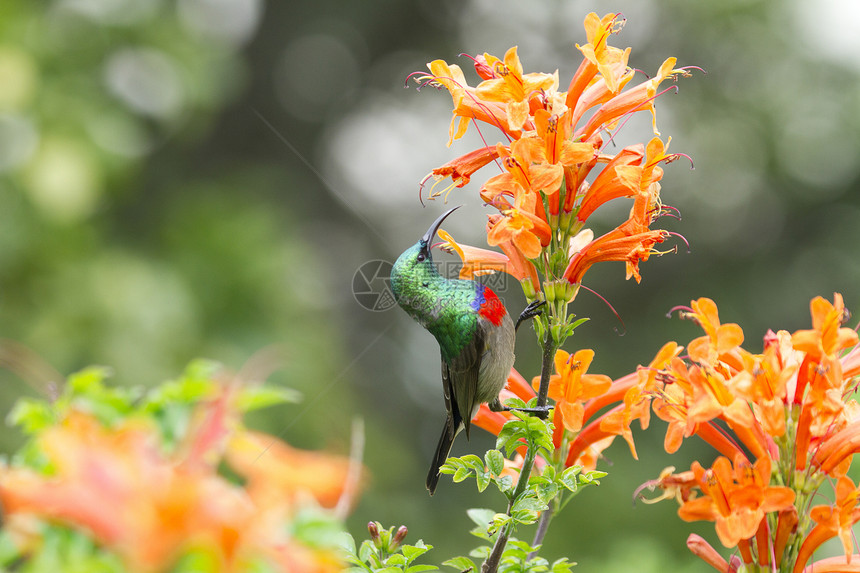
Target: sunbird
x,y
474,331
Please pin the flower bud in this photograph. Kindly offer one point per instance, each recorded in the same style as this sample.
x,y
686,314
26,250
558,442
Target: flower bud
x,y
398,537
373,529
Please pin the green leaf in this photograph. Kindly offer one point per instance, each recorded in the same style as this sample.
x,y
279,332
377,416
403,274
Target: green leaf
x,y
547,492
262,396
420,568
524,517
389,570
562,565
366,550
31,415
480,553
412,552
474,462
569,478
529,502
483,480
396,560
592,477
460,563
481,517
495,462
499,520
505,485
461,474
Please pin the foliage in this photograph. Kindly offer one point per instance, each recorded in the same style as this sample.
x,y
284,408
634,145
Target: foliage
x,y
126,479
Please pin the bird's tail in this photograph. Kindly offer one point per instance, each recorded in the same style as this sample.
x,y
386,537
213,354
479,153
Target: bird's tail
x,y
446,440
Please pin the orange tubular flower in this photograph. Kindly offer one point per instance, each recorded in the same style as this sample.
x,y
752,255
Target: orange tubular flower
x,y
631,242
620,177
477,261
510,86
736,500
826,338
703,550
637,398
519,225
571,386
719,339
600,57
460,170
638,98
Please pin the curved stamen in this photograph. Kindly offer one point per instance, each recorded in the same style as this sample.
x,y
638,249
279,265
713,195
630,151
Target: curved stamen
x,y
680,236
612,308
682,311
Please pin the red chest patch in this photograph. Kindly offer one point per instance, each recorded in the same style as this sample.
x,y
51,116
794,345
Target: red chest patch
x,y
491,308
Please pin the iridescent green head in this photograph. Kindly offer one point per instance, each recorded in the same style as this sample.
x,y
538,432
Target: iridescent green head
x,y
414,273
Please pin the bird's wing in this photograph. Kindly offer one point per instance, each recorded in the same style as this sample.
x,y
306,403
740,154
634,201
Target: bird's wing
x,y
460,380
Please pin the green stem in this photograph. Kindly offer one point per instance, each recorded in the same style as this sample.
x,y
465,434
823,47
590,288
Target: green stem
x,y
543,526
491,565
546,367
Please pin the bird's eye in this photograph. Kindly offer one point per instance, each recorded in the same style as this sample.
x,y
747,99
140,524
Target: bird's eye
x,y
421,257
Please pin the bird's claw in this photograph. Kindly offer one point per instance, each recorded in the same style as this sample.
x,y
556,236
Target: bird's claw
x,y
540,411
531,311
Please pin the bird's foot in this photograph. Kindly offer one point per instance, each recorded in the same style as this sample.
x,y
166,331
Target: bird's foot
x,y
540,411
531,311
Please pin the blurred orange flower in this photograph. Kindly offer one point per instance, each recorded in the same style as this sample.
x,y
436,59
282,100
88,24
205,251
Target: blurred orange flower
x,y
150,506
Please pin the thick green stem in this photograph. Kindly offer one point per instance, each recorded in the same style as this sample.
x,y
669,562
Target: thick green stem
x,y
546,367
491,565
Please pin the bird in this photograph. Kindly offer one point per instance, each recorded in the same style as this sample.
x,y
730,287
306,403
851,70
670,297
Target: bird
x,y
473,328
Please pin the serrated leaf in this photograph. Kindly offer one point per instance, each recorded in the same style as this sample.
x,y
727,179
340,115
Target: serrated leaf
x,y
495,462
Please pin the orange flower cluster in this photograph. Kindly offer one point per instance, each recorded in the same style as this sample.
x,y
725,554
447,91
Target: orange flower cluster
x,y
149,507
554,142
784,421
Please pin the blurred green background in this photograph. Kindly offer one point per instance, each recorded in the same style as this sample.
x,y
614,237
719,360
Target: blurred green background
x,y
184,178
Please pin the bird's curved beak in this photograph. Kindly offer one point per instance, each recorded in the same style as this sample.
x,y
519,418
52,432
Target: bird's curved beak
x,y
431,232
